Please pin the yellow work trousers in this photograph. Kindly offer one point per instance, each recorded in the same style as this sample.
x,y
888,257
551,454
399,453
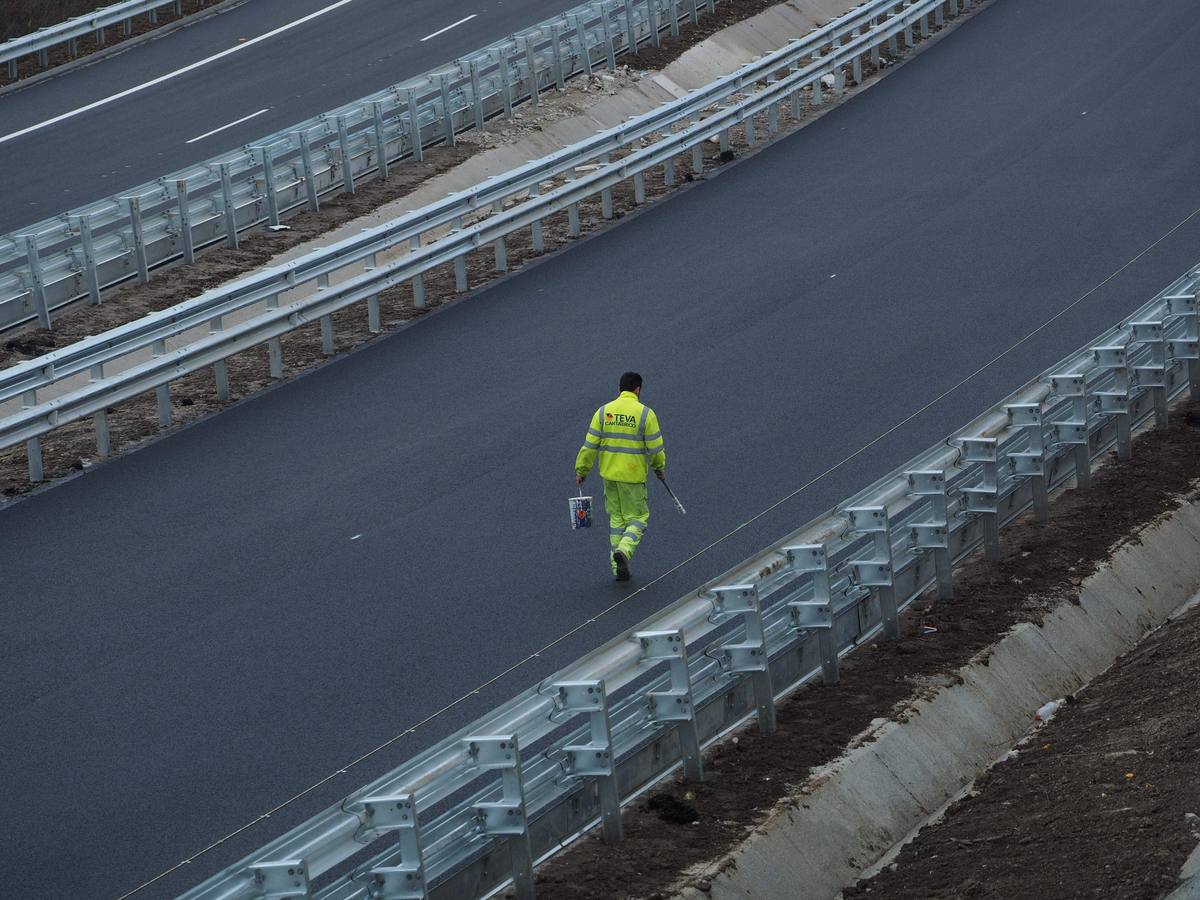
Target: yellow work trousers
x,y
628,515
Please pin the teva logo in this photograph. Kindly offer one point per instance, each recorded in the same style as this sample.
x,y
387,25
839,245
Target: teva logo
x,y
621,420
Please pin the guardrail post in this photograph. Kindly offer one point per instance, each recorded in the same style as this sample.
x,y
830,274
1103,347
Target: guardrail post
x,y
982,499
127,27
100,417
460,264
925,25
939,16
414,127
405,881
606,195
505,82
12,70
693,12
652,20
669,173
595,758
344,152
606,27
274,346
751,135
326,320
418,281
933,534
163,391
815,615
1031,462
1154,375
581,38
874,47
673,17
83,225
228,210
133,206
72,47
535,229
698,159
476,93
267,158
1074,432
501,249
287,880
674,705
447,111
374,325
507,815
33,446
556,49
220,369
750,654
37,287
1115,402
185,221
310,178
639,188
381,154
1187,347
153,16
875,572
101,37
630,28
531,66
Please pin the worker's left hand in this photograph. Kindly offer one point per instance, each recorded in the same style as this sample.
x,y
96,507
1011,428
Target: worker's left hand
x,y
662,476
579,479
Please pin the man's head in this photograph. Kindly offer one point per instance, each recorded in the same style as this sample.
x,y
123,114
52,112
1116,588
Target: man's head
x,y
632,381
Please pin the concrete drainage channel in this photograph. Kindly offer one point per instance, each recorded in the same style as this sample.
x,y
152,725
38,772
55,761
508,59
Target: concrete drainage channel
x,y
901,771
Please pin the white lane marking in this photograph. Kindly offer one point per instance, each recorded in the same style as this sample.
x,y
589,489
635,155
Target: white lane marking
x,y
448,27
230,125
167,77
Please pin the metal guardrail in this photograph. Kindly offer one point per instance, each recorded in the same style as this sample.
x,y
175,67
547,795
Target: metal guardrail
x,y
40,42
756,89
474,811
80,254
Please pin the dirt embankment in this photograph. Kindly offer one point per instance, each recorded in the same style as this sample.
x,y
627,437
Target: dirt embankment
x,y
683,824
24,16
1103,801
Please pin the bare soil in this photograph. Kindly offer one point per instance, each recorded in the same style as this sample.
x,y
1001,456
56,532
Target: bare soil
x,y
22,17
71,448
682,825
1102,801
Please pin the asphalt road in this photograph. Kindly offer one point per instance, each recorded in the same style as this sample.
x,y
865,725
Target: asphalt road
x,y
198,630
354,49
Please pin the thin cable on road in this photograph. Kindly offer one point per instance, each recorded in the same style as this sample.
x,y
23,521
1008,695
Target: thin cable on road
x,y
604,612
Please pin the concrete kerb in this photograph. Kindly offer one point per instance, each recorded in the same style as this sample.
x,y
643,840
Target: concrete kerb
x,y
222,6
899,772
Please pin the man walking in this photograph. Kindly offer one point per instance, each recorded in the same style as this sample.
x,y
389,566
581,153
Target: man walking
x,y
625,435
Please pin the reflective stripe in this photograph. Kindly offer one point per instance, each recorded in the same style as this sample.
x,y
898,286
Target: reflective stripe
x,y
590,445
641,429
593,431
633,523
652,437
636,451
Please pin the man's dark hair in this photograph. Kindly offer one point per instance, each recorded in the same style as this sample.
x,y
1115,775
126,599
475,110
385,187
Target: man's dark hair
x,y
631,381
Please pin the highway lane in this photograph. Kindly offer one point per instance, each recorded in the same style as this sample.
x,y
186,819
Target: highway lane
x,y
194,633
350,49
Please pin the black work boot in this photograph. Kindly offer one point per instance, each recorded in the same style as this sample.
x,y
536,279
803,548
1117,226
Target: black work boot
x,y
622,562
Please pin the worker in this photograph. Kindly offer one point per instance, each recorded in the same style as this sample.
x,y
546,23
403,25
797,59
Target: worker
x,y
625,435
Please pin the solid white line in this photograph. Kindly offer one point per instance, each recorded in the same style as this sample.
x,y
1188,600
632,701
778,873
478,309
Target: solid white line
x,y
230,125
188,68
448,27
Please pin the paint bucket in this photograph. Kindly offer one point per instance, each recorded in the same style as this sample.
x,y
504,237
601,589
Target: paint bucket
x,y
581,511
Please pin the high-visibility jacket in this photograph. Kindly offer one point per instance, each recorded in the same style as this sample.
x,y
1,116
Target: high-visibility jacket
x,y
624,433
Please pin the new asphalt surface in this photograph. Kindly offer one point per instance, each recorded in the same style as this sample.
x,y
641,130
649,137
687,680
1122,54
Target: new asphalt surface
x,y
348,52
196,631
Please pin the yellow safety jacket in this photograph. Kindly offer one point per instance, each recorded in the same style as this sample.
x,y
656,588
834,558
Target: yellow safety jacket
x,y
625,434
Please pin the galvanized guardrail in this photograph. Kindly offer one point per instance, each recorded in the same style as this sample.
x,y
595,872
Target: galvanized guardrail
x,y
82,253
39,43
474,811
755,90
